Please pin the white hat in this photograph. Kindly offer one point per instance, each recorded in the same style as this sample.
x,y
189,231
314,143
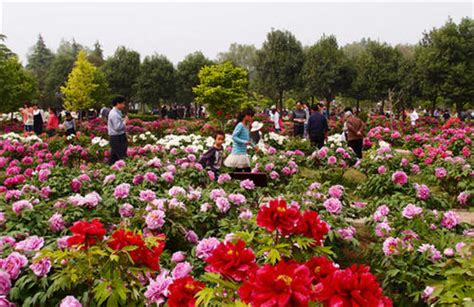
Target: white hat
x,y
256,126
273,107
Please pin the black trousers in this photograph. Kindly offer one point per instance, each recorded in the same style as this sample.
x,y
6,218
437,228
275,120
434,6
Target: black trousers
x,y
356,145
243,170
298,130
118,145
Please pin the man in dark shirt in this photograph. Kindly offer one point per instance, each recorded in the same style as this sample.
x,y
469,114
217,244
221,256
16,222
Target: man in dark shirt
x,y
299,119
317,127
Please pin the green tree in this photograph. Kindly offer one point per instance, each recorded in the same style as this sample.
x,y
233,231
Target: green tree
x,y
326,71
445,59
96,55
241,55
16,84
58,73
222,89
278,64
122,71
40,59
378,71
86,85
157,80
187,76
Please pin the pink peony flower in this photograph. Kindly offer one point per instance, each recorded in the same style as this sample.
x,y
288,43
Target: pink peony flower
x,y
440,172
29,244
21,205
76,185
147,195
155,219
247,184
336,191
56,222
13,264
191,236
5,283
182,270
205,247
246,215
223,178
410,211
42,267
399,178
332,160
70,301
237,199
122,191
347,233
178,257
422,191
390,246
450,220
126,210
381,169
151,177
274,175
222,204
157,290
333,205
463,197
382,229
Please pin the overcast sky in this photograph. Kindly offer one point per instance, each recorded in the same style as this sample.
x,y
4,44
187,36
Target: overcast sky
x,y
177,29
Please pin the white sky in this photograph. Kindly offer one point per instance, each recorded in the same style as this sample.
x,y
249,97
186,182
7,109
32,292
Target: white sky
x,y
177,29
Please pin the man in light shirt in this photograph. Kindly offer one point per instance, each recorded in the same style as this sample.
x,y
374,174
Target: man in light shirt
x,y
275,118
413,117
116,126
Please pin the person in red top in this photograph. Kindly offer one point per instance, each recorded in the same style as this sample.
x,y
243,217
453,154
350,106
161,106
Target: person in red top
x,y
53,122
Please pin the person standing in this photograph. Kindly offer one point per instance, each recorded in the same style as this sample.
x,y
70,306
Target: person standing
x,y
355,132
27,114
104,112
275,118
317,127
53,122
37,120
116,126
413,117
308,114
238,159
299,118
70,124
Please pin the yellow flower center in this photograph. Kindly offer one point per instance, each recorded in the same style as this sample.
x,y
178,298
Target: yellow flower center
x,y
286,279
281,209
189,287
317,269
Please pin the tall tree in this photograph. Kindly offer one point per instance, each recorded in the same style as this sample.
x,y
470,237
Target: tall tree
x,y
278,64
379,71
16,84
241,55
446,61
326,71
58,73
187,76
86,86
40,59
157,80
122,71
222,89
96,55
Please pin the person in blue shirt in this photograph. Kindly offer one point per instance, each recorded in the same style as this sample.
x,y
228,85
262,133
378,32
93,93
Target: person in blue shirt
x,y
238,159
116,126
317,127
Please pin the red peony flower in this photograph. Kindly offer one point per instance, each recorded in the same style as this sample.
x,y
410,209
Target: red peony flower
x,y
286,284
311,226
182,292
142,255
86,233
320,267
354,286
233,261
277,215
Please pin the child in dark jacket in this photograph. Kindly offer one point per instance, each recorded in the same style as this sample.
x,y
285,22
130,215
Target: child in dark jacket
x,y
212,159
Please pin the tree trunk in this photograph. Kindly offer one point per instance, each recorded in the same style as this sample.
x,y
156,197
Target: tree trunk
x,y
281,100
433,106
357,106
312,100
382,107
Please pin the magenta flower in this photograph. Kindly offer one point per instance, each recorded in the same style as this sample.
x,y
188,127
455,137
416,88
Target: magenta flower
x,y
21,205
157,290
450,220
274,175
151,177
463,197
390,246
191,236
223,178
5,283
246,215
422,191
147,195
440,172
332,160
29,244
237,199
336,191
247,184
178,257
13,264
222,204
381,169
347,233
182,270
76,185
400,178
126,210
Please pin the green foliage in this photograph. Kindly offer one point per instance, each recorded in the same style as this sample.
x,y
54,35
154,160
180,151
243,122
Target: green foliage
x,y
96,55
86,86
157,80
278,64
241,55
223,89
445,60
18,85
39,62
188,75
122,71
326,71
